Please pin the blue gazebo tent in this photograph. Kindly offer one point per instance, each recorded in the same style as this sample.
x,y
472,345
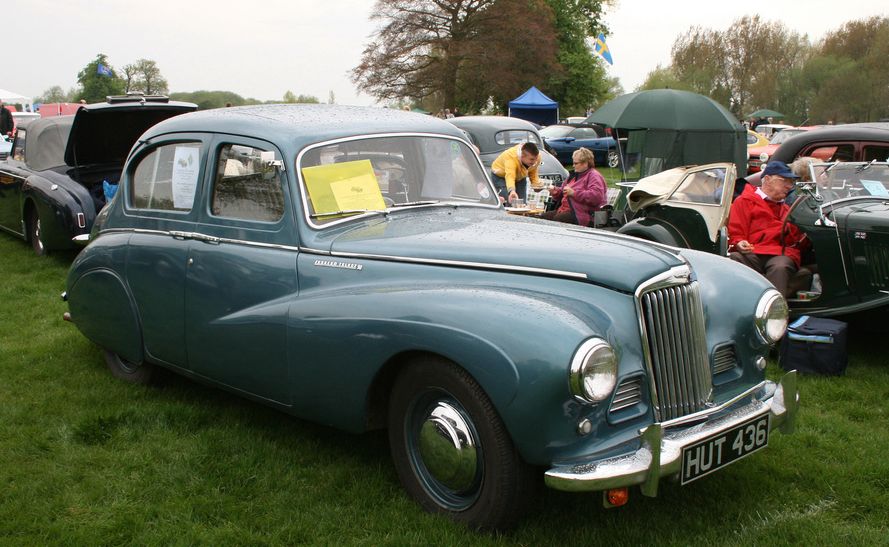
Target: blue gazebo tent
x,y
535,107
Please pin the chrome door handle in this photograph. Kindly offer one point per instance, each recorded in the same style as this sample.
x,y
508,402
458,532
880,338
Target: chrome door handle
x,y
190,261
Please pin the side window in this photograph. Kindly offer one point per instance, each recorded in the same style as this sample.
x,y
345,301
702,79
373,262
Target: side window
x,y
876,152
18,150
247,185
584,133
831,152
166,179
704,187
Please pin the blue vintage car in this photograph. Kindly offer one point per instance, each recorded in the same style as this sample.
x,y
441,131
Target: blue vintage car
x,y
563,140
352,266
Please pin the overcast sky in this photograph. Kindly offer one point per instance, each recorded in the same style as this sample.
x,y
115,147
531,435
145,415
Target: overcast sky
x,y
262,48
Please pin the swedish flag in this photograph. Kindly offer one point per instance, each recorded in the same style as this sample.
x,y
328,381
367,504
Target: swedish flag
x,y
601,49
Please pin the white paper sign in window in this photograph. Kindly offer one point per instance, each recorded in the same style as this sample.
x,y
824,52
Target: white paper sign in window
x,y
186,165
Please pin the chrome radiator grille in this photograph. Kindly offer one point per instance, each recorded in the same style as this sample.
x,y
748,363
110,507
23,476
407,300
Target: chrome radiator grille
x,y
724,359
673,331
628,394
878,259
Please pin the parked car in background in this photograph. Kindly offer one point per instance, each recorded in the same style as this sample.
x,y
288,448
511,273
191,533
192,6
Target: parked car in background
x,y
51,187
5,146
563,140
848,142
760,155
491,135
756,139
352,266
769,129
845,215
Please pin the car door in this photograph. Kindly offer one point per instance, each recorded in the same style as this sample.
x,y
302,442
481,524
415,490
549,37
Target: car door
x,y
12,177
242,271
160,185
698,208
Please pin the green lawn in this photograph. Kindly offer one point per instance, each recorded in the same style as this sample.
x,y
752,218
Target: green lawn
x,y
88,460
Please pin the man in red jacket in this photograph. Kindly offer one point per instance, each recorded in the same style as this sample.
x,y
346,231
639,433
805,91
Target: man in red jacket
x,y
755,228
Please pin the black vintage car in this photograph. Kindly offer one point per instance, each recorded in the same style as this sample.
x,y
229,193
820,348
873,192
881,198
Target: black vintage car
x,y
52,184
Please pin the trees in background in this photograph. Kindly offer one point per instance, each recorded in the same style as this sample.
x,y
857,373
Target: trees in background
x,y
760,64
96,86
478,54
144,76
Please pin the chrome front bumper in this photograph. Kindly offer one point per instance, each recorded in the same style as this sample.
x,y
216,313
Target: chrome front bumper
x,y
661,452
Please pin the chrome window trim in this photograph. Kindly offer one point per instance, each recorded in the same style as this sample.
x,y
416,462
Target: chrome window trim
x,y
303,192
357,256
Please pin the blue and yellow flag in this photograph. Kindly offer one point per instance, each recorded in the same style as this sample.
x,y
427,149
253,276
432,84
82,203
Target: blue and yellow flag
x,y
103,70
601,49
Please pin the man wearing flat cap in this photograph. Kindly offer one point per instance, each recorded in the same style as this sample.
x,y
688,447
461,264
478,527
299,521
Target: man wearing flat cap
x,y
759,237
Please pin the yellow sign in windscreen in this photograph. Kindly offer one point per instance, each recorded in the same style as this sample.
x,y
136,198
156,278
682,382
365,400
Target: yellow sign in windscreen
x,y
347,186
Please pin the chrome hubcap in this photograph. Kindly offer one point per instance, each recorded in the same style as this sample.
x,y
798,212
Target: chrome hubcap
x,y
447,447
37,239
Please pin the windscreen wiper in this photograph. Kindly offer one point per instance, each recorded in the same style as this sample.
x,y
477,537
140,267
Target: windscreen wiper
x,y
347,212
412,203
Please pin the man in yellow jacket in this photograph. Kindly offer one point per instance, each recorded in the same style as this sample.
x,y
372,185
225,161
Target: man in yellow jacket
x,y
513,168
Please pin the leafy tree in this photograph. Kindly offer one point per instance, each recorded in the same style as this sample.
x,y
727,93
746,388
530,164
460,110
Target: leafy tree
x,y
848,73
96,87
663,77
144,76
582,81
212,99
54,94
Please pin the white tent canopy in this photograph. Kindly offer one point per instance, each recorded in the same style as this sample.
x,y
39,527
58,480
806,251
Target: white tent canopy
x,y
14,98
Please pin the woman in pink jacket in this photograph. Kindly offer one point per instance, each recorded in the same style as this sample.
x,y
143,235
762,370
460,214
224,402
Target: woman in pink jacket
x,y
583,193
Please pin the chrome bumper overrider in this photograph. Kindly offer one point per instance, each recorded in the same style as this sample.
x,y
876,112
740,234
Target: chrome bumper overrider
x,y
662,443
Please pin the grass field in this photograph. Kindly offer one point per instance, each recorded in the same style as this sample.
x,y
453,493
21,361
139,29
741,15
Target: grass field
x,y
88,460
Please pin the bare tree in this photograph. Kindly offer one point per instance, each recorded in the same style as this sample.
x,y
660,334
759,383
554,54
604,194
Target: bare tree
x,y
145,76
418,50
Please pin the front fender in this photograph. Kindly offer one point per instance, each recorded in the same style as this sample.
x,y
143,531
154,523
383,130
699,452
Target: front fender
x,y
58,209
656,230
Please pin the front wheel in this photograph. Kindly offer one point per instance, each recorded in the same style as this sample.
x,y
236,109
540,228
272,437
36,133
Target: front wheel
x,y
34,235
613,159
452,452
133,373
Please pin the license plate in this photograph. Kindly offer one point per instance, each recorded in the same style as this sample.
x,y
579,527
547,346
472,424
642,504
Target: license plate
x,y
718,451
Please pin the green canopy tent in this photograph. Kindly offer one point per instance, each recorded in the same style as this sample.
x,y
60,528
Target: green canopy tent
x,y
765,113
665,128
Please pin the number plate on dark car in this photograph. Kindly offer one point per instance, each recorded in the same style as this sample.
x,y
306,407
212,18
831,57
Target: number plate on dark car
x,y
718,451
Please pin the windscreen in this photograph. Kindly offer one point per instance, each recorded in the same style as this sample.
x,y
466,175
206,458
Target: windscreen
x,y
385,173
851,180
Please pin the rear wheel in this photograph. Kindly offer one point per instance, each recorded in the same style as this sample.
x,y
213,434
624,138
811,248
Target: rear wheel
x,y
452,452
613,159
134,373
34,235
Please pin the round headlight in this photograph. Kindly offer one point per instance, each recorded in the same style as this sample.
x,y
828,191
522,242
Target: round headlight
x,y
593,373
771,316
764,157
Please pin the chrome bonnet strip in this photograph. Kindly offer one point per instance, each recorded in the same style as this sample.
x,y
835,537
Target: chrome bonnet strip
x,y
197,236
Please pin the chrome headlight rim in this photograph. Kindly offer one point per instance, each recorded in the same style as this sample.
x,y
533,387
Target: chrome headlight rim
x,y
582,365
762,316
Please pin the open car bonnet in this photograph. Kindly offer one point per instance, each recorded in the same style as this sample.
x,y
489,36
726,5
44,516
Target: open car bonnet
x,y
658,188
105,133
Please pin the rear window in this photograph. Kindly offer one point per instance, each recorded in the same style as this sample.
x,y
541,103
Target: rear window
x,y
516,136
166,179
18,150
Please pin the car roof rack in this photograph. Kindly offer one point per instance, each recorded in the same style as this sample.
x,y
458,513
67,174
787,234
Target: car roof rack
x,y
137,97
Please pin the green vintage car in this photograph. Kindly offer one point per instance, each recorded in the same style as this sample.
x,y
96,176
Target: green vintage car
x,y
353,267
844,214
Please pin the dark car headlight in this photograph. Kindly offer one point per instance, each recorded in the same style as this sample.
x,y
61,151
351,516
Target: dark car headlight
x,y
593,372
771,316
